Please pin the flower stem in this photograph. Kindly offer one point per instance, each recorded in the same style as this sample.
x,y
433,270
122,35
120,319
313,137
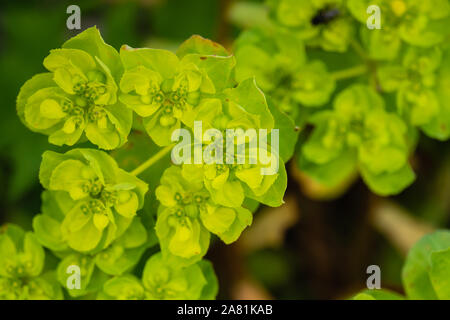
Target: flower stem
x,y
148,163
349,73
359,50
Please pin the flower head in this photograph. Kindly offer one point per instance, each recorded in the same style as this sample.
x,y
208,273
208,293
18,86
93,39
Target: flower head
x,y
78,96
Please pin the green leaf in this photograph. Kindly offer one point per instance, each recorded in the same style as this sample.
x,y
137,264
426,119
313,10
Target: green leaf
x,y
275,194
135,235
218,68
419,35
381,44
48,232
326,143
117,260
103,164
84,239
251,205
162,61
255,62
199,45
56,204
210,290
37,115
391,77
126,287
70,175
378,294
251,99
358,9
439,127
105,138
333,173
227,193
243,219
35,253
122,119
217,219
8,252
312,85
21,255
92,42
45,287
440,273
288,132
356,100
388,183
50,160
272,57
246,15
176,283
37,82
69,66
416,270
160,134
181,244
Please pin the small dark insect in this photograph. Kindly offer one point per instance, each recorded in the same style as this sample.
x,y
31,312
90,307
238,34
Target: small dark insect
x,y
324,16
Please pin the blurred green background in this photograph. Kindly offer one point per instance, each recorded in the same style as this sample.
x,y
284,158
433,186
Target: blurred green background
x,y
305,249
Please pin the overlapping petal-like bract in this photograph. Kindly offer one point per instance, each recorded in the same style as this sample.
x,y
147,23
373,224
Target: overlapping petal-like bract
x,y
237,172
163,281
359,133
117,259
78,98
421,85
164,88
100,199
278,62
415,22
21,266
188,215
321,23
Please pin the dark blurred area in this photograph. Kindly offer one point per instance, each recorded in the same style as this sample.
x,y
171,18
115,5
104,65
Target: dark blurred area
x,y
306,249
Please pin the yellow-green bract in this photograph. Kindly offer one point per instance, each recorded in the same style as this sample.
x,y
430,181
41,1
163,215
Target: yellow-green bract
x,y
78,98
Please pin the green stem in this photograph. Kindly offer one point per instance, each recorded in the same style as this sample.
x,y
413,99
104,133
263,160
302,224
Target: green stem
x,y
349,73
359,50
148,163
